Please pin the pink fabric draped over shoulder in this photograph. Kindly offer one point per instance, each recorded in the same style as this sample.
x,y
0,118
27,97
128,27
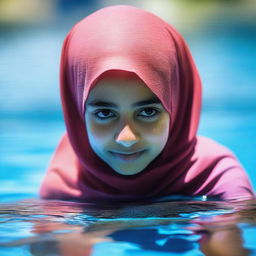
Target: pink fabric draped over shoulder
x,y
129,39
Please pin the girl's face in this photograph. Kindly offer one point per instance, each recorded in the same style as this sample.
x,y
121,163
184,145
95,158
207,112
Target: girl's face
x,y
127,125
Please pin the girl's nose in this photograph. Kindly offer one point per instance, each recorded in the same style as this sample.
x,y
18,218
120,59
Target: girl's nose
x,y
126,137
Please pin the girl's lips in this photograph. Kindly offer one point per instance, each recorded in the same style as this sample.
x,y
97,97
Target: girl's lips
x,y
128,156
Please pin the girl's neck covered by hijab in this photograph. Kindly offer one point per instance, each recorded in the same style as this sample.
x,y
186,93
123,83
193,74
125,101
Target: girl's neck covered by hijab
x,y
128,39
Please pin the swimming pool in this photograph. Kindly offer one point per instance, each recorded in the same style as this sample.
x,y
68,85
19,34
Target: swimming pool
x,y
31,124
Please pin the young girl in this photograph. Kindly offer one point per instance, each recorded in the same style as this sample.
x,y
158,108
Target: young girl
x,y
131,97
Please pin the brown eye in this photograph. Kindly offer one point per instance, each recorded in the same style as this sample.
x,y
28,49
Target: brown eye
x,y
104,114
148,113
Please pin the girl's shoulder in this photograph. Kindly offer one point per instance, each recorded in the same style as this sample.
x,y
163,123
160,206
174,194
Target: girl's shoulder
x,y
226,176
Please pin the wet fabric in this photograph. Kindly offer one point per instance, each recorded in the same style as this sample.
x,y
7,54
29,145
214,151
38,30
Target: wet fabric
x,y
133,40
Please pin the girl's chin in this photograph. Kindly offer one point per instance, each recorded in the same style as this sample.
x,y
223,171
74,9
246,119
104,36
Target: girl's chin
x,y
128,170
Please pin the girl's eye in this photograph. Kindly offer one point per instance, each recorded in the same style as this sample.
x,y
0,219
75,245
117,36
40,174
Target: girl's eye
x,y
149,113
104,114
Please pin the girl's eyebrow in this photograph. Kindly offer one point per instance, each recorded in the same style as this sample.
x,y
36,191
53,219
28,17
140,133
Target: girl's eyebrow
x,y
100,103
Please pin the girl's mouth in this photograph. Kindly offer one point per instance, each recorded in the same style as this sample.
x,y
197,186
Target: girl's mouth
x,y
128,156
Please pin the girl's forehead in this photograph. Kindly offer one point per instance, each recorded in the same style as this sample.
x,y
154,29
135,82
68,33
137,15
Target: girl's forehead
x,y
116,87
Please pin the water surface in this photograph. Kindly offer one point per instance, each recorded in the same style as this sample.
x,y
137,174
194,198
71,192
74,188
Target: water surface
x,y
193,226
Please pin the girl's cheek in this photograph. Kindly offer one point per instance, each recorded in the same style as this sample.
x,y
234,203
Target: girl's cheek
x,y
99,130
161,126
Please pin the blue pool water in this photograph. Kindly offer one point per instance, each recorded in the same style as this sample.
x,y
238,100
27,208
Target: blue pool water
x,y
31,125
179,226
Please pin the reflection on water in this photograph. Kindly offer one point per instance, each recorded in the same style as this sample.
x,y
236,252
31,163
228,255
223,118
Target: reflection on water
x,y
192,227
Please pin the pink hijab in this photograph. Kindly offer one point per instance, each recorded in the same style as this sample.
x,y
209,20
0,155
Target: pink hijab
x,y
129,39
